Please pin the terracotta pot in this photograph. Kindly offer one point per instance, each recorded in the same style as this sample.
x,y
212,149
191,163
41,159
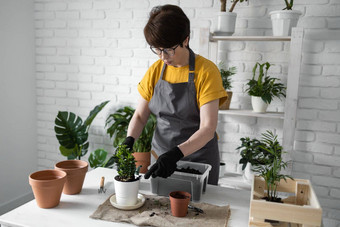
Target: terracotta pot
x,y
143,159
179,201
47,186
76,171
226,104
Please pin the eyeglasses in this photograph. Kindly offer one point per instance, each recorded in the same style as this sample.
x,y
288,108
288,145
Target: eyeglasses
x,y
167,51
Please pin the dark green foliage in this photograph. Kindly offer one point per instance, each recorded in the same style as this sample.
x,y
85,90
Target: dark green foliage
x,y
265,155
125,163
289,4
72,132
264,86
226,76
119,124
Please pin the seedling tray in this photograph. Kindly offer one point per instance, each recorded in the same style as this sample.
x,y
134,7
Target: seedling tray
x,y
195,184
300,209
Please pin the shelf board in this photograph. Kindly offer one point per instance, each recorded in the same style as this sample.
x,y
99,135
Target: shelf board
x,y
250,113
249,38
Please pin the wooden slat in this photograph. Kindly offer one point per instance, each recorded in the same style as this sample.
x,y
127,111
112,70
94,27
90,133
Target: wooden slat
x,y
301,192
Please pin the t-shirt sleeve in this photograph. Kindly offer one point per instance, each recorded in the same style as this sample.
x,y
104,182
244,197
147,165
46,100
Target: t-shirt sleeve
x,y
211,87
148,82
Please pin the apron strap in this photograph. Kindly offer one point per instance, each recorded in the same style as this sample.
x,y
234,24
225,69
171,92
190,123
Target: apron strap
x,y
191,67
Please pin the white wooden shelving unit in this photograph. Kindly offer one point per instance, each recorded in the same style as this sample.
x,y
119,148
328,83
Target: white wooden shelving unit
x,y
208,47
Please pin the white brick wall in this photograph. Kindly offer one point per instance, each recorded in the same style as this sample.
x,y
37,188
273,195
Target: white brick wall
x,y
91,51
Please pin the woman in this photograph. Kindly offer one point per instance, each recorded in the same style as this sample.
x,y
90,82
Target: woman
x,y
183,90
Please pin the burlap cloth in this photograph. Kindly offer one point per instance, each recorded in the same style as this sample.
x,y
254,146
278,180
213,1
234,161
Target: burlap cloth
x,y
156,212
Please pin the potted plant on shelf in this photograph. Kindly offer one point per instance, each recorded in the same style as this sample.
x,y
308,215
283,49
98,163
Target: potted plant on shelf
x,y
226,19
283,20
263,89
226,75
126,183
119,124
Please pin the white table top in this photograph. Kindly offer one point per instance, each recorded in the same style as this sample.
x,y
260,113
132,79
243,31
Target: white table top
x,y
74,210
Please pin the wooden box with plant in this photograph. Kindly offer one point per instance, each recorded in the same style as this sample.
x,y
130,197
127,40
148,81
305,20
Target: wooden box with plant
x,y
226,20
126,183
263,89
284,20
118,124
226,75
300,205
72,133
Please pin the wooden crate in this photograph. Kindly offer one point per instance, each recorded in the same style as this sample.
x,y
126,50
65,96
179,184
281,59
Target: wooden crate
x,y
302,208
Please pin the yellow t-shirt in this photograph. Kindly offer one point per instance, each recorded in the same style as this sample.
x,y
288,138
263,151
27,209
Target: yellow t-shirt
x,y
208,81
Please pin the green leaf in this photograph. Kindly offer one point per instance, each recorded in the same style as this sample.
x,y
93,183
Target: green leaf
x,y
97,158
94,112
69,130
67,151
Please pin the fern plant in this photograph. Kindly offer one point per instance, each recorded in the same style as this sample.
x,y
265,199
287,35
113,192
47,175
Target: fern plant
x,y
265,86
226,75
271,171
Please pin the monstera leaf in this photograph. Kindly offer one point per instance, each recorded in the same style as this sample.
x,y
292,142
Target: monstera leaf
x,y
72,132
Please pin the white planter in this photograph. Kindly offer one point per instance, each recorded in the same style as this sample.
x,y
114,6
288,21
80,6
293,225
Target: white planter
x,y
248,173
283,21
126,192
259,106
225,23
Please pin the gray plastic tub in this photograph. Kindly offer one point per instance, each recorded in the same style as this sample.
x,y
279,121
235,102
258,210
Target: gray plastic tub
x,y
195,184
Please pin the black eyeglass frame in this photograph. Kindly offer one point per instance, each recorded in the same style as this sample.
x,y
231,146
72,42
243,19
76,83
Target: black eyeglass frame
x,y
164,50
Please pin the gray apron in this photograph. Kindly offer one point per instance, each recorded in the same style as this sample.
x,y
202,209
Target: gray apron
x,y
178,118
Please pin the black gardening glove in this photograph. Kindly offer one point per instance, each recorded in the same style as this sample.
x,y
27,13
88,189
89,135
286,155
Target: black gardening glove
x,y
129,141
165,164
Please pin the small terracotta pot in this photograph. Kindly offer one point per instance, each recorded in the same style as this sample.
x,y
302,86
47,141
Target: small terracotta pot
x,y
143,159
179,201
47,186
226,104
76,171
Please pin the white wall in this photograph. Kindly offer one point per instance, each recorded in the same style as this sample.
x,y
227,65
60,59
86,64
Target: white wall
x,y
90,51
18,152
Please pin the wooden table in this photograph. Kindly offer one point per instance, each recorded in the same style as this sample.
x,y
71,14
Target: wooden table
x,y
74,210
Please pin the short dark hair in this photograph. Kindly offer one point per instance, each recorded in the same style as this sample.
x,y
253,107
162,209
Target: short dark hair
x,y
167,26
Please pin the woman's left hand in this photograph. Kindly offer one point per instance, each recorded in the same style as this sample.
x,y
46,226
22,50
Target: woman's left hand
x,y
166,164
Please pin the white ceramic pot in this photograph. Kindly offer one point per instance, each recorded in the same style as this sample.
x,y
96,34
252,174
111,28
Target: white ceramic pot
x,y
283,21
248,173
225,23
126,192
259,106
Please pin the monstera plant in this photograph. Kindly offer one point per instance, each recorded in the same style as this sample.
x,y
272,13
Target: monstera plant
x,y
72,132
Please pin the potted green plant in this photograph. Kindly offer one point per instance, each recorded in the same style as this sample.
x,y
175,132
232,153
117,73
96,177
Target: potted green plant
x,y
265,157
118,124
226,75
226,19
283,20
126,183
72,132
263,89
